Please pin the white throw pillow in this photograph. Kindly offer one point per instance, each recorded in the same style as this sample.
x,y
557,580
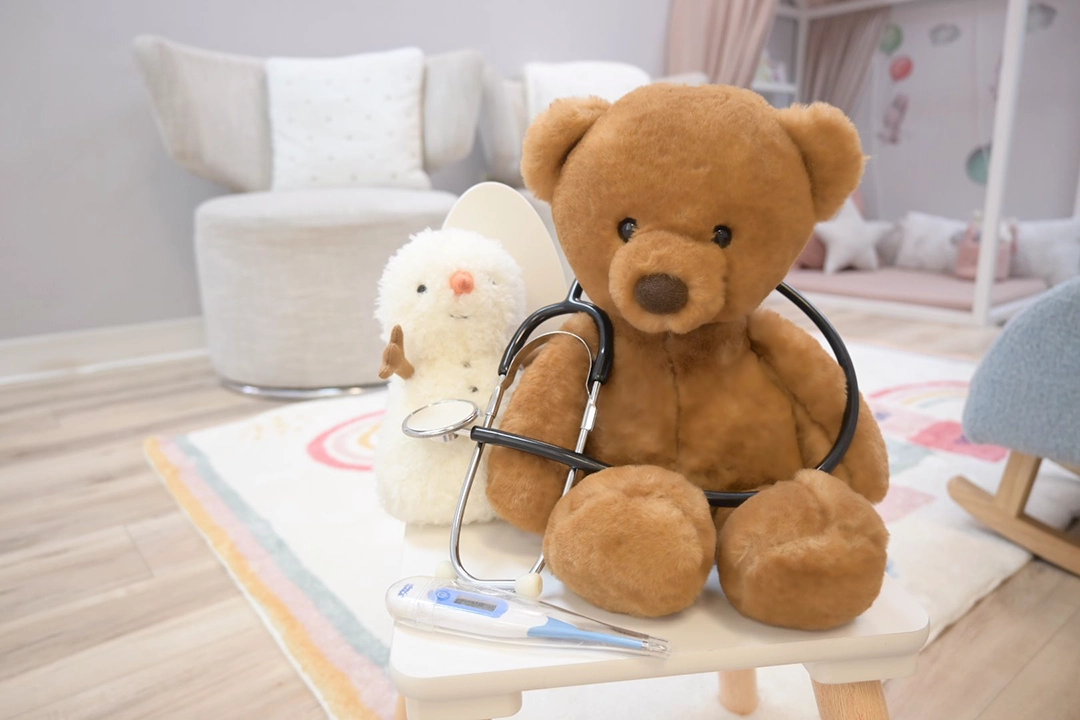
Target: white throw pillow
x,y
347,121
547,82
850,241
927,242
1048,249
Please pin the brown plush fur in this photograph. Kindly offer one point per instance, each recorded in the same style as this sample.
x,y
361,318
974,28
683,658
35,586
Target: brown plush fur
x,y
647,517
805,553
714,395
830,151
567,121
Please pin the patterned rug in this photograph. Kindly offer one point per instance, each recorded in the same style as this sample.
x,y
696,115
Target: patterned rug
x,y
287,501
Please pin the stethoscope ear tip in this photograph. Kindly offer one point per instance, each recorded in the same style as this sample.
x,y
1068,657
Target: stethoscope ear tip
x,y
529,585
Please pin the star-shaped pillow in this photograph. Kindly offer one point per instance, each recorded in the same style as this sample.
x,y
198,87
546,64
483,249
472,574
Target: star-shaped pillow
x,y
850,241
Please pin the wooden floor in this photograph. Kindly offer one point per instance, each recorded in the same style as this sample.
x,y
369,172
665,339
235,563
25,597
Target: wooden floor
x,y
112,607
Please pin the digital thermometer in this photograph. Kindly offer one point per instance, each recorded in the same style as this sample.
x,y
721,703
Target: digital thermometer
x,y
451,606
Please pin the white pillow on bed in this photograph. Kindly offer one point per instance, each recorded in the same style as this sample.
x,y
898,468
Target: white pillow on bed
x,y
1048,249
347,121
927,242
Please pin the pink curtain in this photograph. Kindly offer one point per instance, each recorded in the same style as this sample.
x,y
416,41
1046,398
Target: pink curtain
x,y
722,38
838,54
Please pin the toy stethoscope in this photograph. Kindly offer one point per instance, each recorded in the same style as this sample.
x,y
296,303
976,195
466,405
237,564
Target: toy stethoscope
x,y
448,419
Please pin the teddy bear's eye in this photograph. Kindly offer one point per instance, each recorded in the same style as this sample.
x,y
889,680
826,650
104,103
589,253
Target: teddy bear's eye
x,y
421,289
721,235
627,226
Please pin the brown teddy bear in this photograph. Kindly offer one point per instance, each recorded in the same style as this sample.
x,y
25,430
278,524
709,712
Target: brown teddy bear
x,y
680,209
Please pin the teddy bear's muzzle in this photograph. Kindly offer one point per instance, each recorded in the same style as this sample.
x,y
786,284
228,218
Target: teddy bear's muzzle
x,y
661,294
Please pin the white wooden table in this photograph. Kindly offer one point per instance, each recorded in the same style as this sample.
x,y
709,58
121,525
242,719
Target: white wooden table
x,y
444,677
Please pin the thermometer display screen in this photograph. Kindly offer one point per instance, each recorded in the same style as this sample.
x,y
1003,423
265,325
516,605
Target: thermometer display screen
x,y
469,602
478,604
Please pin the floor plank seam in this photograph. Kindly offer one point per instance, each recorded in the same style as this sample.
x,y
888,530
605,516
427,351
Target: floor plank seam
x,y
1034,655
204,378
126,397
139,551
32,453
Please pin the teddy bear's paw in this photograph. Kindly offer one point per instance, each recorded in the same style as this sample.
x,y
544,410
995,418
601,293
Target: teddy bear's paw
x,y
808,553
634,539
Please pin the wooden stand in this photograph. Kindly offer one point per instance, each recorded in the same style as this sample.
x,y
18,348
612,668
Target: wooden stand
x,y
738,691
851,701
1004,512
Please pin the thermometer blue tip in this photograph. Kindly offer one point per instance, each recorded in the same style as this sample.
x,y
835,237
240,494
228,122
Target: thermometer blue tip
x,y
555,629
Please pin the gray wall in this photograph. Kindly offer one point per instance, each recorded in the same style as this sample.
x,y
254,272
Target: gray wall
x,y
95,221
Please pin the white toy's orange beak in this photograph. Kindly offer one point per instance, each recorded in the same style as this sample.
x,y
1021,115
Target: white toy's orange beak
x,y
461,282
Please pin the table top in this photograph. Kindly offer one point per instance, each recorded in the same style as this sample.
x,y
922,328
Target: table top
x,y
709,636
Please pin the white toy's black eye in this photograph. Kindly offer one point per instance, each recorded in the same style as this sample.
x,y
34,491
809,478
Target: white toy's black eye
x,y
421,289
721,235
627,226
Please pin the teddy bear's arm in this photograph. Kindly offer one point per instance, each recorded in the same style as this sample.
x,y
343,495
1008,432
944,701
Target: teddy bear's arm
x,y
814,381
547,404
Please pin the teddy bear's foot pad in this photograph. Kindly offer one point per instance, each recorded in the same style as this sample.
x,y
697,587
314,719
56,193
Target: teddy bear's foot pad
x,y
635,539
808,553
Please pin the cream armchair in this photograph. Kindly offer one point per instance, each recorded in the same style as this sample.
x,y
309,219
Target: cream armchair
x,y
288,279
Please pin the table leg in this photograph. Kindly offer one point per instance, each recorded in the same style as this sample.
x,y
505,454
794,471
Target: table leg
x,y
851,701
738,690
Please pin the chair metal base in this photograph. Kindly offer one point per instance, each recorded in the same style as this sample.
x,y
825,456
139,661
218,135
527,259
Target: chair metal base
x,y
278,393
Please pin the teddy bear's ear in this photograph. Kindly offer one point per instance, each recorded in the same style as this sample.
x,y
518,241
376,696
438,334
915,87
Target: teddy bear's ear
x,y
831,151
552,136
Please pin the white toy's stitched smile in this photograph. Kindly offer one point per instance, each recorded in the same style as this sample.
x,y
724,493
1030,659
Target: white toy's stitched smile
x,y
459,317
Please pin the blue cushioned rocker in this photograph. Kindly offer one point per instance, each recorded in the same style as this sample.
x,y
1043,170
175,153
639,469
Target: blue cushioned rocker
x,y
1025,396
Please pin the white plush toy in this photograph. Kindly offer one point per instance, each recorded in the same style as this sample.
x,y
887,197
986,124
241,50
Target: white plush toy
x,y
449,301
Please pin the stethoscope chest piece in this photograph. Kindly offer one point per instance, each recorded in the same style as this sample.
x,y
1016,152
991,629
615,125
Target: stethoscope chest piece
x,y
443,420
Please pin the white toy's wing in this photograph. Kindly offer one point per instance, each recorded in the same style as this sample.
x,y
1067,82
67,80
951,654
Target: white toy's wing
x,y
394,361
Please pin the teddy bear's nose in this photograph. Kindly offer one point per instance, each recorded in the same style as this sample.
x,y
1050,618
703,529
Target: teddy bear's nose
x,y
661,294
461,282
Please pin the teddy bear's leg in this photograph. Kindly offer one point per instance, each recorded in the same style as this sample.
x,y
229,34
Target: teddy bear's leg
x,y
634,539
807,553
